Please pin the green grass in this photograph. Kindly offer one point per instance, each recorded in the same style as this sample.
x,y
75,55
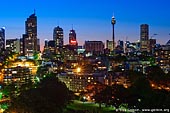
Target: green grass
x,y
88,106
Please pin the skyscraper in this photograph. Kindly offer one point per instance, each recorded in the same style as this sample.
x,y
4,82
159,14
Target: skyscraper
x,y
30,36
113,37
72,39
2,39
58,36
144,37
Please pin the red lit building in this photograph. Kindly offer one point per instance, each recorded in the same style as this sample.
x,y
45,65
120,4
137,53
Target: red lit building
x,y
72,39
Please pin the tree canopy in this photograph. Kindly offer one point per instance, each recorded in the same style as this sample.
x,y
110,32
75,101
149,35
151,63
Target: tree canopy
x,y
50,96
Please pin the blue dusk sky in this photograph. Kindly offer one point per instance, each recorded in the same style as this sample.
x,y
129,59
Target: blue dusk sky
x,y
90,18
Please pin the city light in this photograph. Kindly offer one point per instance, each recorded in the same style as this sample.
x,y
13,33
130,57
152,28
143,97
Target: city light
x,y
102,74
78,70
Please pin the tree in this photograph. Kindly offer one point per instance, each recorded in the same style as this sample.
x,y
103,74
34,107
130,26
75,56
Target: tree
x,y
119,95
104,96
155,73
50,96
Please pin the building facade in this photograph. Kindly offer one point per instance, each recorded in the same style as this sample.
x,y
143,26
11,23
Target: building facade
x,y
30,37
13,45
94,47
152,43
17,75
2,39
58,36
109,44
144,37
72,39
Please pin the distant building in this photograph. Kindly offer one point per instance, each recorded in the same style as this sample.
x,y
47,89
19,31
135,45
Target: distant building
x,y
109,45
78,83
17,75
144,37
52,46
22,46
162,55
80,50
46,43
30,41
13,45
38,45
94,47
72,39
58,36
120,43
152,43
2,39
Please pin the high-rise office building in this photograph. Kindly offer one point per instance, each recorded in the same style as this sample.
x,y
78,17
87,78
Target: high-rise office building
x,y
13,45
72,38
30,36
58,36
144,37
2,39
113,22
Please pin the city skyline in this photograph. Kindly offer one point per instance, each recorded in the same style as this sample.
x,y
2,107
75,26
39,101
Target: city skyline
x,y
90,19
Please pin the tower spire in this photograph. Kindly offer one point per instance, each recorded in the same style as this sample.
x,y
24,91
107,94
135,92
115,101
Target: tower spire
x,y
113,16
113,22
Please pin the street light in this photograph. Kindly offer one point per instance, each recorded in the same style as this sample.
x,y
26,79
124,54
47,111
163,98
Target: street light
x,y
78,70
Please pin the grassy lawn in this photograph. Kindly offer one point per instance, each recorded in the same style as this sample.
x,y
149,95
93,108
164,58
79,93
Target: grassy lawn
x,y
87,107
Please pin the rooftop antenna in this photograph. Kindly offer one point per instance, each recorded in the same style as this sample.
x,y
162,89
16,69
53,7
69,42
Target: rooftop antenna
x,y
72,26
113,15
34,11
58,23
